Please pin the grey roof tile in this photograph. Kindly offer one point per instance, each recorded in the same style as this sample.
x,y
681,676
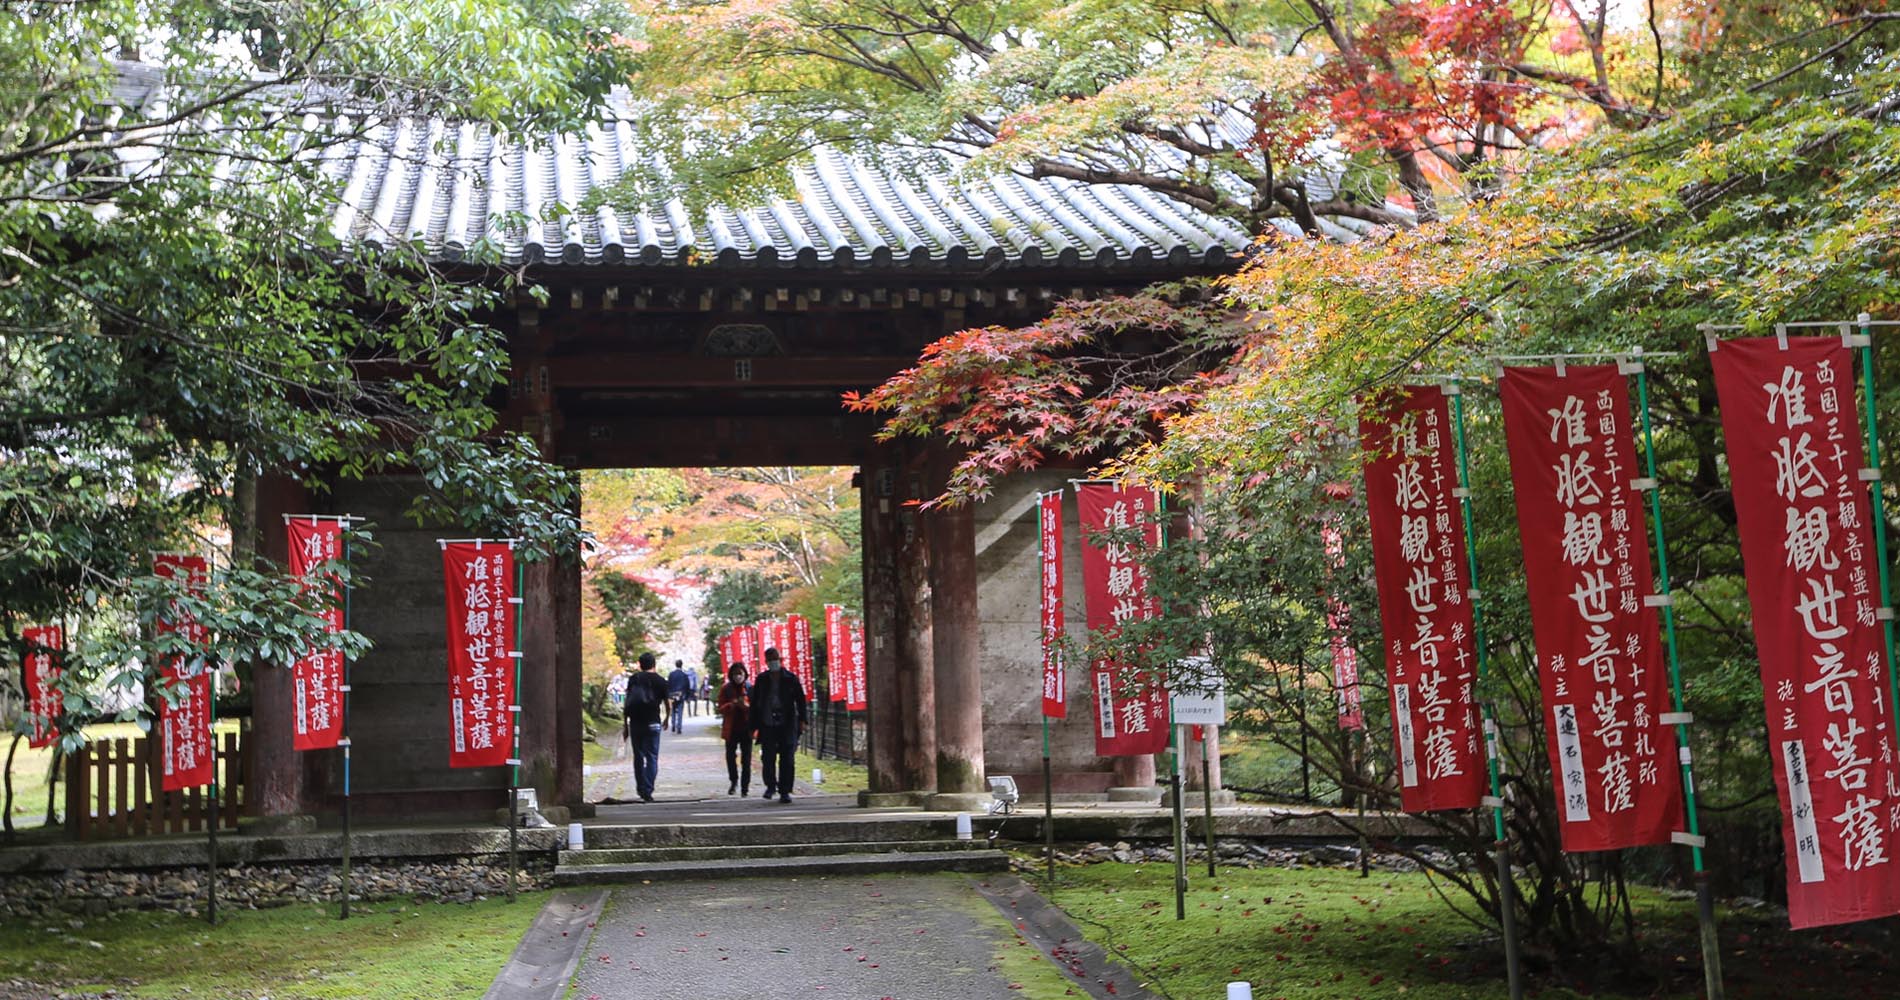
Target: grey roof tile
x,y
449,186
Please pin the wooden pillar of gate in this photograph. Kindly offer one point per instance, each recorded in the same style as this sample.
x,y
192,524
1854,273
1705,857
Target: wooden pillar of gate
x,y
916,657
956,636
280,783
878,501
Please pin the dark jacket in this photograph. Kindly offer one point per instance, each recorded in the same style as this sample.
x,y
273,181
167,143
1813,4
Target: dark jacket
x,y
648,714
779,706
677,683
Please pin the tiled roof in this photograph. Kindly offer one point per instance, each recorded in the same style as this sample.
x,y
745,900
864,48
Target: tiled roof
x,y
450,186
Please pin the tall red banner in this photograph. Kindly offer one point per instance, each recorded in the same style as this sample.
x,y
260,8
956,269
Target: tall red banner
x,y
1795,457
1055,695
856,700
798,637
1115,590
317,677
1586,566
480,581
1424,580
747,639
185,729
45,645
836,650
1352,713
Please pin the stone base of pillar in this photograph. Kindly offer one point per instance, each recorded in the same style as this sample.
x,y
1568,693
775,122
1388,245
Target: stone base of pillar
x,y
1192,800
281,826
1150,794
969,802
893,800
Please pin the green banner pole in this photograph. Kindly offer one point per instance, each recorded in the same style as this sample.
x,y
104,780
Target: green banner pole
x,y
1705,906
1180,826
514,760
1501,849
345,741
1866,345
1048,806
211,858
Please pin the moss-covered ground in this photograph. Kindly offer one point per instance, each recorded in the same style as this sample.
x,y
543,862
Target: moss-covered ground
x,y
390,950
1326,934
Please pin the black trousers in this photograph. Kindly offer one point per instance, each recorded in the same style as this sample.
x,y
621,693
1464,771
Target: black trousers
x,y
778,755
739,760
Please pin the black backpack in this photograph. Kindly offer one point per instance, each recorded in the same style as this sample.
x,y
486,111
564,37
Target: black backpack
x,y
639,695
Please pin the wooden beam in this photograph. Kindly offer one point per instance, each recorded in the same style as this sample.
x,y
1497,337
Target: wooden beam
x,y
642,371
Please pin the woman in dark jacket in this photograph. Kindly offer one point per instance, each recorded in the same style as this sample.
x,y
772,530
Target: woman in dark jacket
x,y
735,727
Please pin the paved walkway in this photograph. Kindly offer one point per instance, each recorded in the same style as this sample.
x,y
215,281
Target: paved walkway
x,y
888,937
692,768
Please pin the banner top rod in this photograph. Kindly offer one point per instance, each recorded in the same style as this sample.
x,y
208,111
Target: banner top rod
x,y
446,542
314,518
1634,352
1864,319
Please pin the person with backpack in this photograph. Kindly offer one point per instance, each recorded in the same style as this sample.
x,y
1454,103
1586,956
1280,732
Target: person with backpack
x,y
779,708
678,685
646,694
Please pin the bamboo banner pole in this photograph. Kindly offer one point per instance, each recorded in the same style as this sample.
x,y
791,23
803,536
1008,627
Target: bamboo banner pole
x,y
1048,767
1507,884
1866,344
1207,795
520,604
345,741
1705,907
211,856
1180,826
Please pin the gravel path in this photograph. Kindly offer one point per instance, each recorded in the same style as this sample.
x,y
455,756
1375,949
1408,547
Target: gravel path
x,y
908,937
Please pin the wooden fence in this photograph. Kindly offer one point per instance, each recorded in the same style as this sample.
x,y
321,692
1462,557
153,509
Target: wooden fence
x,y
112,790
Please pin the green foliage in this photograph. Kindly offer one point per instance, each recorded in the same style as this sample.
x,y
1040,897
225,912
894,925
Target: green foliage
x,y
637,616
180,317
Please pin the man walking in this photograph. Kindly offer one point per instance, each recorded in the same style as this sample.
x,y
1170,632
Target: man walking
x,y
779,711
678,684
646,692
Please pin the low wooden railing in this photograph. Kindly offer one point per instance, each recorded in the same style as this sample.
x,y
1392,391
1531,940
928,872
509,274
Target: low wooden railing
x,y
112,790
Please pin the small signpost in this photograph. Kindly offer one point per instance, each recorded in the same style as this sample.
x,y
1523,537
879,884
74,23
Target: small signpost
x,y
1200,701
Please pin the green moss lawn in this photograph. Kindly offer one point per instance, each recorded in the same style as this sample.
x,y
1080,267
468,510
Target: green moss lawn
x,y
390,950
1323,934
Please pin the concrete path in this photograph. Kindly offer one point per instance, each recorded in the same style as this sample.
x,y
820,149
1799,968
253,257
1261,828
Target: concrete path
x,y
551,950
692,768
890,937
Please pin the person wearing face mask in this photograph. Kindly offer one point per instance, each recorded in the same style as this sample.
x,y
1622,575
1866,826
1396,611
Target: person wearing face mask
x,y
735,726
779,708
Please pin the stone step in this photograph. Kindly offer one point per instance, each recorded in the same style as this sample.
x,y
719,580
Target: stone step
x,y
742,852
983,860
603,835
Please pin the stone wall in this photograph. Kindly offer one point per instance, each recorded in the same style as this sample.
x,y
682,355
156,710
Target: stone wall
x,y
1009,604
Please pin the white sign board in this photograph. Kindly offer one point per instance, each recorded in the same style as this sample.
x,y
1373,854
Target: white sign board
x,y
1200,694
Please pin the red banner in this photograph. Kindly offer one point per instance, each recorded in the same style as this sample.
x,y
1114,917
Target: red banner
x,y
185,730
837,648
1418,560
1586,566
1055,703
480,582
798,637
855,700
45,645
1352,713
746,638
1794,457
1115,589
317,678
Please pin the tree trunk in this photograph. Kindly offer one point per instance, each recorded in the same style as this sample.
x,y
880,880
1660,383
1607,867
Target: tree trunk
x,y
6,809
